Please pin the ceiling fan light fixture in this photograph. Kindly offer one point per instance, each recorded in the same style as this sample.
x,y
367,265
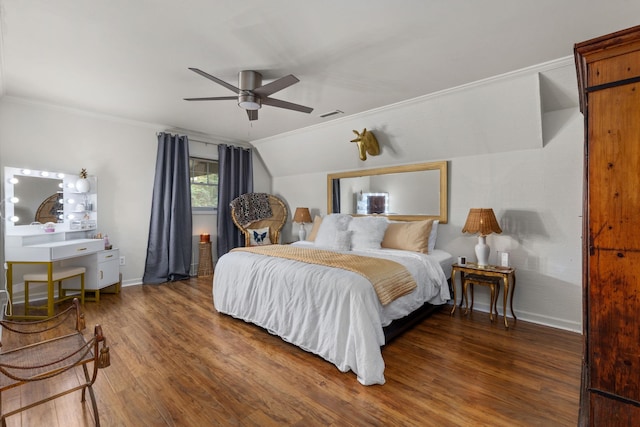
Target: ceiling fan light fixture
x,y
251,93
249,101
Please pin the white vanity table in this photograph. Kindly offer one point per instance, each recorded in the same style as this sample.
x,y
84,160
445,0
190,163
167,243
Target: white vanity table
x,y
29,247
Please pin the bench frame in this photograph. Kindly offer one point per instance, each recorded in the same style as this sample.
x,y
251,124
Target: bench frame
x,y
39,350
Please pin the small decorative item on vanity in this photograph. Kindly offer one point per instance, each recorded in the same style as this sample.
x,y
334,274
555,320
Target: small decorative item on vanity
x,y
82,184
301,217
482,221
107,245
367,143
49,227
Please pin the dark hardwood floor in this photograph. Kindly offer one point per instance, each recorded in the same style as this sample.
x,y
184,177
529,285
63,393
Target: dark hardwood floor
x,y
176,362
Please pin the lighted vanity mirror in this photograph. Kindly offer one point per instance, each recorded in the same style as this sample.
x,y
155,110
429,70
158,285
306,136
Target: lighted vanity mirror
x,y
411,192
36,197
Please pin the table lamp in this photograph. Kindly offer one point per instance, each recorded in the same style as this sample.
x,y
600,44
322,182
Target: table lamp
x,y
482,221
301,217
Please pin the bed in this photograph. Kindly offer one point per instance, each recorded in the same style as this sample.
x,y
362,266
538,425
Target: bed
x,y
328,311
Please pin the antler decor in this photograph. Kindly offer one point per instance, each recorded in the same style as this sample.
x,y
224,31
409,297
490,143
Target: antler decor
x,y
367,143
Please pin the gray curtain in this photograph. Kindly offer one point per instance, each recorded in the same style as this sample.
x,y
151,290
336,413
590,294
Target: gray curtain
x,y
169,244
235,177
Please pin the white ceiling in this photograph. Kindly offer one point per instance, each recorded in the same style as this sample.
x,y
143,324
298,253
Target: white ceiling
x,y
129,58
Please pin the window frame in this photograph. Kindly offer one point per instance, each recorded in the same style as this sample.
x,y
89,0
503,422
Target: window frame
x,y
199,210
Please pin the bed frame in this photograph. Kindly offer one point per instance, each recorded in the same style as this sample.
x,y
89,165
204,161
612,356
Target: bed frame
x,y
400,326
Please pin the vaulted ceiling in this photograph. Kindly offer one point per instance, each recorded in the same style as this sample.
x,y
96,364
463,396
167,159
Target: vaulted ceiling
x,y
130,58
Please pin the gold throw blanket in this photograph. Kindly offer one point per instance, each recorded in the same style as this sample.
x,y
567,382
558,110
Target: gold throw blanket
x,y
390,279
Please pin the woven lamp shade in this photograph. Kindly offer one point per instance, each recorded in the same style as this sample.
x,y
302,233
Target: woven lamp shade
x,y
302,215
481,221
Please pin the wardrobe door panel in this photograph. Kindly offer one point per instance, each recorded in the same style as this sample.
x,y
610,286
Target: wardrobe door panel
x,y
614,168
609,412
614,335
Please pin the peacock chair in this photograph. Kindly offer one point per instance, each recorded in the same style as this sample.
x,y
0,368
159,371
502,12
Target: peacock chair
x,y
274,223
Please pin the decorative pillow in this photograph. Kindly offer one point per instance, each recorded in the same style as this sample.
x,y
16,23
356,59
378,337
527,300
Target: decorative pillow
x,y
408,236
339,241
259,236
368,232
314,230
433,235
330,227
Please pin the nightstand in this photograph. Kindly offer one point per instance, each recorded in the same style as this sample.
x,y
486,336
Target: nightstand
x,y
490,275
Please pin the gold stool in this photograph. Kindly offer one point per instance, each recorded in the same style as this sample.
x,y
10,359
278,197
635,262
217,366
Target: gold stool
x,y
494,285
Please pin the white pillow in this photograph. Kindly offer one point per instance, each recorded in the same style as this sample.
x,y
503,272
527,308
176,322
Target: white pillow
x,y
433,236
368,232
259,236
329,233
339,241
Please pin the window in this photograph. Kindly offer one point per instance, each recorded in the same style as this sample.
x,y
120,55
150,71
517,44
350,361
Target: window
x,y
203,175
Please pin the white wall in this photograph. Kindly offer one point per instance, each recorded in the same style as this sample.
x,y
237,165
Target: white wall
x,y
121,153
504,152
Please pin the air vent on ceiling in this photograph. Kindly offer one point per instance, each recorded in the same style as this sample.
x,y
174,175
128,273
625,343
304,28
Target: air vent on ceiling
x,y
331,113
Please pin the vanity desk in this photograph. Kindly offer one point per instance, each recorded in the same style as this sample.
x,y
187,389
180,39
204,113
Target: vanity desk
x,y
23,252
35,197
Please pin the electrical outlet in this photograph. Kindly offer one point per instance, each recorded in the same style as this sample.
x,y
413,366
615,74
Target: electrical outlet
x,y
122,261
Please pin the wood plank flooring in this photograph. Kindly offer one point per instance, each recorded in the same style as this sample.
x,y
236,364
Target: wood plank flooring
x,y
176,362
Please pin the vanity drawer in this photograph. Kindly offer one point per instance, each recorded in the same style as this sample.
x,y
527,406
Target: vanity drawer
x,y
108,255
53,251
74,248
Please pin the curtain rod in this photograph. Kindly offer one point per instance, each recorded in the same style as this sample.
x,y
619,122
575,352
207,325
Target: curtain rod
x,y
244,145
190,138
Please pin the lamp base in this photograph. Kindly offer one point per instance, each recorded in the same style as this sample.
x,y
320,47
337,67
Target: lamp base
x,y
482,251
302,233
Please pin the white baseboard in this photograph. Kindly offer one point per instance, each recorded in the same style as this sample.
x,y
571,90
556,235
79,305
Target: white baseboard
x,y
534,318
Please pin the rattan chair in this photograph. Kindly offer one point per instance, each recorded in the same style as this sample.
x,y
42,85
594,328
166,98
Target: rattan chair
x,y
275,222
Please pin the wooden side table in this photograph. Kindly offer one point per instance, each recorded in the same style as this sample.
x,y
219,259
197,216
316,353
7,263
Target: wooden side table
x,y
205,263
484,274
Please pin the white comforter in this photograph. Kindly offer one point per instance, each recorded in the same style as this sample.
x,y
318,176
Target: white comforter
x,y
331,312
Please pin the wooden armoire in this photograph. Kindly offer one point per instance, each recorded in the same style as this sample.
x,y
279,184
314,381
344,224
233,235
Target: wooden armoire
x,y
609,83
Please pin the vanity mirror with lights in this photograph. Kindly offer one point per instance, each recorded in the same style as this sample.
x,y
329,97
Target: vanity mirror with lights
x,y
35,198
403,193
50,222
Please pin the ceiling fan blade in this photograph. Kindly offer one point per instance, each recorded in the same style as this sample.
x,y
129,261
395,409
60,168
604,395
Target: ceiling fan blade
x,y
276,85
253,114
284,104
213,98
215,79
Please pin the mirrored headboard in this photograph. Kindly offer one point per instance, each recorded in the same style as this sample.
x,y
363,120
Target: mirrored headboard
x,y
414,192
34,197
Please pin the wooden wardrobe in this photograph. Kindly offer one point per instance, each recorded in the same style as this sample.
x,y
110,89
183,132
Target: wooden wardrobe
x,y
609,83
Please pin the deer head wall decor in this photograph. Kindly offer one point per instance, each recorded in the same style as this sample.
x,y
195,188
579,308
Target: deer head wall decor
x,y
367,143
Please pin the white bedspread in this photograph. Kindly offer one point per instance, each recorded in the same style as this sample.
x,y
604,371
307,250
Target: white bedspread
x,y
327,311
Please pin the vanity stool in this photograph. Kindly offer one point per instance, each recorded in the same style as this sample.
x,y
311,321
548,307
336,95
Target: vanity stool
x,y
59,274
494,285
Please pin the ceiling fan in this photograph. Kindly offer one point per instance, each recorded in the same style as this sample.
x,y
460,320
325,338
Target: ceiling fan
x,y
252,94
